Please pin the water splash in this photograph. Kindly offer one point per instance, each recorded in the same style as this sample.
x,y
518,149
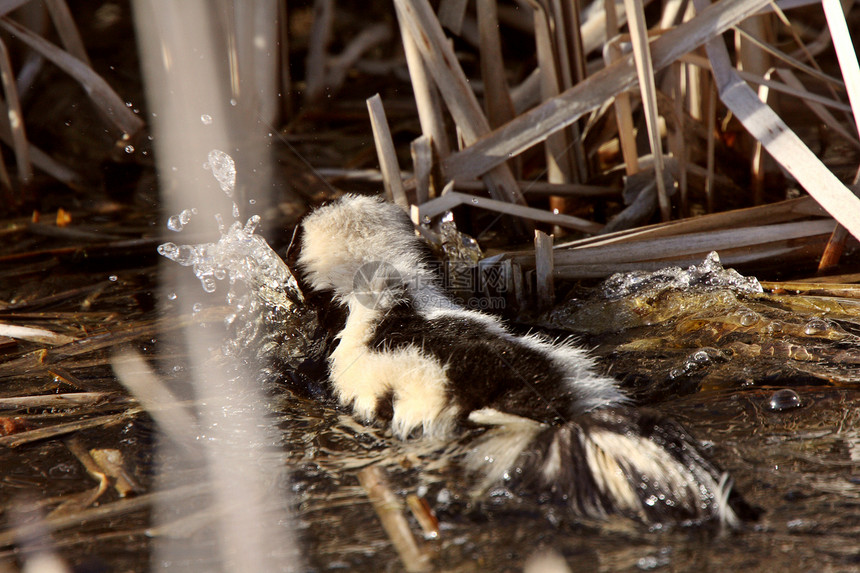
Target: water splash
x,y
710,273
177,222
224,170
240,256
268,317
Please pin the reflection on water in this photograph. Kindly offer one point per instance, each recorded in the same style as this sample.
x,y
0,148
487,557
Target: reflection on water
x,y
731,362
768,382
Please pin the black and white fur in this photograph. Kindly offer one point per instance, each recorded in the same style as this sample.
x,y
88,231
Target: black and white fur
x,y
409,356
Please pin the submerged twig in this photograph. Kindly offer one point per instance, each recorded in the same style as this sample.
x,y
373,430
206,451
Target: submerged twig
x,y
121,507
138,377
57,400
389,511
29,436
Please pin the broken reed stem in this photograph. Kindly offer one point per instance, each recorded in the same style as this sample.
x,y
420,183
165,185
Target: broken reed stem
x,y
555,146
388,163
682,152
422,166
423,515
623,114
836,243
535,125
440,59
545,284
497,98
757,169
58,401
16,118
712,137
645,71
430,114
834,249
315,64
452,199
845,54
117,508
135,374
22,438
778,139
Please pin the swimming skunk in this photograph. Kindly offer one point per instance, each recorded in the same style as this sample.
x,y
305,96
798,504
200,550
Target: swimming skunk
x,y
409,356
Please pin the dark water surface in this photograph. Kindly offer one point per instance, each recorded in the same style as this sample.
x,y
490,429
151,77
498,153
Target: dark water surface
x,y
767,382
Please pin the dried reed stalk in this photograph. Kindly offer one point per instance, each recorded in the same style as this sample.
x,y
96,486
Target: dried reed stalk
x,y
535,125
418,17
782,143
648,88
387,155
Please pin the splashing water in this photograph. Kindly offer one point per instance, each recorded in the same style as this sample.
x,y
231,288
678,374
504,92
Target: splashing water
x,y
710,273
177,222
224,170
264,296
240,255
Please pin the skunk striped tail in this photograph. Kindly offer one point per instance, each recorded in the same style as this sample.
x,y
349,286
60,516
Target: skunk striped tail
x,y
614,460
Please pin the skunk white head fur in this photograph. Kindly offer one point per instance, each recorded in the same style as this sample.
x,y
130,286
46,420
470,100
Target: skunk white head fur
x,y
362,241
410,357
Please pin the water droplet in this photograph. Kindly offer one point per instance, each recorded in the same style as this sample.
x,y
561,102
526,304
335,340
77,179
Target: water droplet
x,y
196,307
177,222
252,201
206,119
474,200
169,250
251,225
208,283
748,318
224,170
700,357
129,149
784,399
186,255
113,278
816,326
171,296
185,215
234,102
